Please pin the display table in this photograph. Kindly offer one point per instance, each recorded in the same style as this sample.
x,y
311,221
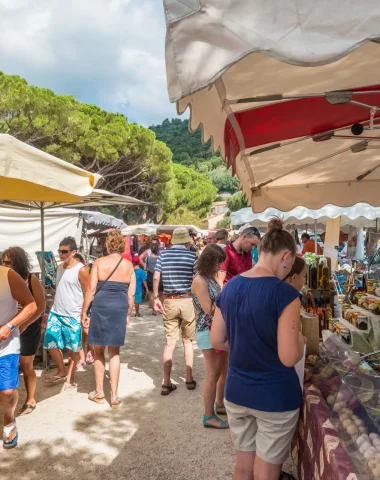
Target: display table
x,y
365,341
316,449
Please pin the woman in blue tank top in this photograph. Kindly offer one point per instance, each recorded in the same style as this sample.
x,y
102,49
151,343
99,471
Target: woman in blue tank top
x,y
258,321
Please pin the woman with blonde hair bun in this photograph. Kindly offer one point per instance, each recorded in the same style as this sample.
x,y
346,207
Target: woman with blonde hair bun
x,y
111,291
258,321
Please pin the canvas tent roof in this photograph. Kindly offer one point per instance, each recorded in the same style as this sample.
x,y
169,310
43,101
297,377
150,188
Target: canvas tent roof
x,y
267,87
360,216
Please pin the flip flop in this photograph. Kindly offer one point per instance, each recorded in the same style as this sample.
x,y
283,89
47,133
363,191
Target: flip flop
x,y
115,402
96,397
7,432
70,386
55,379
25,407
169,389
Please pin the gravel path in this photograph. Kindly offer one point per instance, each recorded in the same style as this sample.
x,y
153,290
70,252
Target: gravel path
x,y
149,437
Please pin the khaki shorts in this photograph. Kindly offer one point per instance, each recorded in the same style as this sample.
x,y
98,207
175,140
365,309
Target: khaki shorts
x,y
179,314
269,434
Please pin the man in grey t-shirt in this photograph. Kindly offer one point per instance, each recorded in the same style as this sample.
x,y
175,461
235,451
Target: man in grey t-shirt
x,y
221,237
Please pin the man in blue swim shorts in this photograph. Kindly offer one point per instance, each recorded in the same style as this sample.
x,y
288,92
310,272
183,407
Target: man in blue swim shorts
x,y
64,329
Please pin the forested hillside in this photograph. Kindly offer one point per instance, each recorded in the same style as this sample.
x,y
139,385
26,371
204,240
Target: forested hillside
x,y
189,150
128,156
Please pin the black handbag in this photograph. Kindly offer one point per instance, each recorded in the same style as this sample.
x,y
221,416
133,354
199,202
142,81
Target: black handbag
x,y
98,289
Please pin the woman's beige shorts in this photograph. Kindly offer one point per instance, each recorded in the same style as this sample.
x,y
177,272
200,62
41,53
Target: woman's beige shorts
x,y
269,434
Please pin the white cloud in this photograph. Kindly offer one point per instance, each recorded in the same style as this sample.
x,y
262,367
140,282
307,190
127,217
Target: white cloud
x,y
108,52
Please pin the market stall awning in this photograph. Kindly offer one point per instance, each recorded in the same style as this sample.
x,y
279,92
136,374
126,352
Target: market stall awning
x,y
278,90
95,220
97,198
142,229
29,174
360,215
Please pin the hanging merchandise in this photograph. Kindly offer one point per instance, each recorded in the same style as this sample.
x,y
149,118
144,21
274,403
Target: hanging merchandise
x,y
352,240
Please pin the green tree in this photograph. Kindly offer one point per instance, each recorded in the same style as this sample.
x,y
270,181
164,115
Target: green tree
x,y
175,133
183,216
223,180
128,156
192,191
236,202
225,222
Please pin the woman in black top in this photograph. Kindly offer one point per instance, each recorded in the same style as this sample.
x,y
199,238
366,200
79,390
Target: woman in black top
x,y
30,331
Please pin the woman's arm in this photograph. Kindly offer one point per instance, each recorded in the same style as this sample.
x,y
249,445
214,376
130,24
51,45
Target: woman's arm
x,y
20,292
142,258
218,336
90,292
39,297
290,341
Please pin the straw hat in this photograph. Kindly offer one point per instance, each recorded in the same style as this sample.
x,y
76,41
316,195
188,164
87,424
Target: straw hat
x,y
181,236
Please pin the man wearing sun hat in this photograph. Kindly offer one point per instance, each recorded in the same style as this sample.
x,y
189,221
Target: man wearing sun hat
x,y
176,267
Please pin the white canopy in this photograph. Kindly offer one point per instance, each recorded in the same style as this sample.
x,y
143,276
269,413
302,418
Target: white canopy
x,y
262,77
360,216
143,229
22,228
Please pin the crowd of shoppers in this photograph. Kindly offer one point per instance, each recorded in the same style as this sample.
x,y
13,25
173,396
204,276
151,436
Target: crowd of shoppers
x,y
242,309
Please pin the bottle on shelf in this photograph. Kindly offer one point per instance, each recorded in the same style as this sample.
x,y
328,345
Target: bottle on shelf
x,y
314,276
321,322
325,276
320,273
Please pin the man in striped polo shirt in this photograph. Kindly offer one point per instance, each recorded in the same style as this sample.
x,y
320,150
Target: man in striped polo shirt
x,y
176,266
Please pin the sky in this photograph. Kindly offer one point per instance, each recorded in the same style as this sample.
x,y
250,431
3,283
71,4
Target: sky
x,y
107,52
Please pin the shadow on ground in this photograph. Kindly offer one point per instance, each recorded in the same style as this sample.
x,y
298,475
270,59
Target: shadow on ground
x,y
149,437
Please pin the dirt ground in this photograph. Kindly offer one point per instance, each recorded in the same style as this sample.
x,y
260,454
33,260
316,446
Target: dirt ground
x,y
149,437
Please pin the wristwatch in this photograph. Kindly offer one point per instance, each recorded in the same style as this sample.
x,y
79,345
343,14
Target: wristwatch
x,y
10,326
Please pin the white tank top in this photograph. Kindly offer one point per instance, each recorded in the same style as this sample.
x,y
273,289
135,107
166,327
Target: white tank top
x,y
8,310
68,299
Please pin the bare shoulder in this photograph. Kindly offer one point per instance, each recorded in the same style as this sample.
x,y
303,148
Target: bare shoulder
x,y
199,282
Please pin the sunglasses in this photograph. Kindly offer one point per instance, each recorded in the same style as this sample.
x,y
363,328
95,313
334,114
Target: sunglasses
x,y
6,262
64,251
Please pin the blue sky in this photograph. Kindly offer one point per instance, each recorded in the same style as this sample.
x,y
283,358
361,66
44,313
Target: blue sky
x,y
107,52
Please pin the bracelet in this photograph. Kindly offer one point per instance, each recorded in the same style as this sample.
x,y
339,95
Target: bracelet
x,y
156,297
11,327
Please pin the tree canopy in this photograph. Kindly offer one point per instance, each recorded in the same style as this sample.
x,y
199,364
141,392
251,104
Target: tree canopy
x,y
130,158
189,150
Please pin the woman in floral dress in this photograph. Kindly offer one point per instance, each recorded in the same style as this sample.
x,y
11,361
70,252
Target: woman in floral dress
x,y
205,291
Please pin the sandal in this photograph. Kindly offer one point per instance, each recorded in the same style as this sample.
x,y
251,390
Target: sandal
x,y
191,385
55,379
220,409
115,402
169,389
223,424
96,397
70,386
7,433
25,407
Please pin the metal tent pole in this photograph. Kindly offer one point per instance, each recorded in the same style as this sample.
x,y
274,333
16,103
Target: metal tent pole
x,y
315,237
43,282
